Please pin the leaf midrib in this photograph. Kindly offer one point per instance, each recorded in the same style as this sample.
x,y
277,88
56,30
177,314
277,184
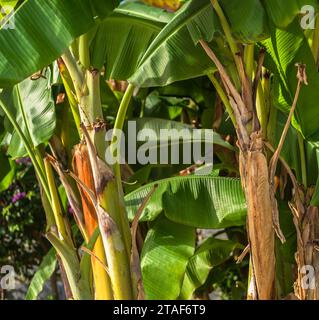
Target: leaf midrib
x,y
154,47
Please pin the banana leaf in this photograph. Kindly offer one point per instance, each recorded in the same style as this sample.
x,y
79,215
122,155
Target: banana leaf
x,y
196,201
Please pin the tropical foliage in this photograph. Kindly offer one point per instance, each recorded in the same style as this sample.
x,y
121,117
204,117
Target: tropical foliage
x,y
247,71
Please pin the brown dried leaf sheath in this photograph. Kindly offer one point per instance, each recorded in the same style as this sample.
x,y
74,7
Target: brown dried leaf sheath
x,y
255,179
82,168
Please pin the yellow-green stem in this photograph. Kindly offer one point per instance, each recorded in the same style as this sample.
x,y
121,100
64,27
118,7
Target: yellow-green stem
x,y
249,60
227,30
84,52
75,73
119,123
56,206
262,109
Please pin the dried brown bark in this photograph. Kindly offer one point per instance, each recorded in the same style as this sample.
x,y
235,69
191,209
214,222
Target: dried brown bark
x,y
307,256
255,180
306,221
259,185
254,174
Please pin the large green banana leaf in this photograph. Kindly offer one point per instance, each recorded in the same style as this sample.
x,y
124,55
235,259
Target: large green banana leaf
x,y
248,19
166,251
43,30
282,12
31,104
123,37
286,48
208,255
172,56
197,201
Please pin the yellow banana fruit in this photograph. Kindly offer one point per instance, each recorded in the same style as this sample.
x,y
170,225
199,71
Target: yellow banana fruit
x,y
171,5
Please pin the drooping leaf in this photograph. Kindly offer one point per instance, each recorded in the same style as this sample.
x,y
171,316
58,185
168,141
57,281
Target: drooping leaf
x,y
208,255
31,104
163,54
42,275
7,172
43,30
286,48
172,56
80,289
123,37
197,201
166,251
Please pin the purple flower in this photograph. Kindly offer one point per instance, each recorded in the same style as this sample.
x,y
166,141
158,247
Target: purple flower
x,y
24,161
70,210
18,196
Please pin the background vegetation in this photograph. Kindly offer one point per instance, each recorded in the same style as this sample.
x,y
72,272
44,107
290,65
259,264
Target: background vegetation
x,y
246,70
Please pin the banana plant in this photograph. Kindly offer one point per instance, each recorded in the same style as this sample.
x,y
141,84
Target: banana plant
x,y
216,63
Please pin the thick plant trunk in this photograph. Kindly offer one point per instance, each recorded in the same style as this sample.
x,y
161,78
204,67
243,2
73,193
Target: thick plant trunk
x,y
255,180
106,194
261,203
111,215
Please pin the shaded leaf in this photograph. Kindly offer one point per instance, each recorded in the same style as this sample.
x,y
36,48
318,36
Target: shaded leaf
x,y
42,275
165,254
125,36
208,255
7,172
43,30
31,104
